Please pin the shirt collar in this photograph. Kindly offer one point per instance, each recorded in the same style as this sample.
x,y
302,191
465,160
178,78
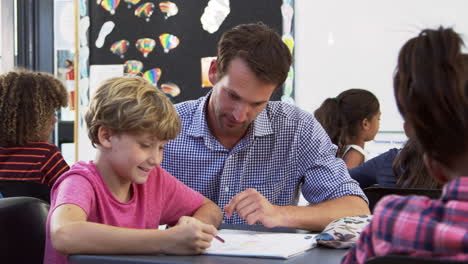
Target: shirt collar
x,y
456,189
262,124
199,126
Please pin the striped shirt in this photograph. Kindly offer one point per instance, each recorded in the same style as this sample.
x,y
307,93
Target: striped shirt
x,y
285,151
40,162
418,226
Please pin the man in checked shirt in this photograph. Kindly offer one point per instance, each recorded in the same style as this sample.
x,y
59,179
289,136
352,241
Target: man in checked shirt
x,y
253,157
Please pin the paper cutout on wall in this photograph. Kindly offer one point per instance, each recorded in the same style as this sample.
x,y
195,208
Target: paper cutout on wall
x,y
110,5
170,89
168,41
289,41
153,76
83,29
83,7
83,58
84,82
131,2
120,47
133,67
145,10
214,15
287,11
205,67
288,87
106,29
145,45
168,8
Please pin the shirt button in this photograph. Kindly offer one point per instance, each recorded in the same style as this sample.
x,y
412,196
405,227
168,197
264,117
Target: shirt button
x,y
226,189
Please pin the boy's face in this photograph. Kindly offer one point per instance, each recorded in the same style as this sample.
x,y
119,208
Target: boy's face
x,y
131,157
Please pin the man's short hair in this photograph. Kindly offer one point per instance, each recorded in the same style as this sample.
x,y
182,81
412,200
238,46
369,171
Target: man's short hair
x,y
260,47
132,105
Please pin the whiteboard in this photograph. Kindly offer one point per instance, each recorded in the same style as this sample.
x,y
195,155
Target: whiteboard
x,y
354,44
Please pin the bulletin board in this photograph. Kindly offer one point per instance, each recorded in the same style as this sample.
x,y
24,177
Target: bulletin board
x,y
166,42
172,37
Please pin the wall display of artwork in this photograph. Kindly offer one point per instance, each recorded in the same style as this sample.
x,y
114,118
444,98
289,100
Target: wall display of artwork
x,y
167,42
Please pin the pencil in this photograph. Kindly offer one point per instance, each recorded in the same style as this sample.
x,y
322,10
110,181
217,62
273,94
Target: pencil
x,y
219,239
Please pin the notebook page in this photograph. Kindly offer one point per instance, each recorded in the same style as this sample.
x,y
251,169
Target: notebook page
x,y
261,244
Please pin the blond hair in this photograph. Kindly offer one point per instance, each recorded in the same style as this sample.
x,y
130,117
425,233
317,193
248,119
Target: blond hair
x,y
131,104
27,103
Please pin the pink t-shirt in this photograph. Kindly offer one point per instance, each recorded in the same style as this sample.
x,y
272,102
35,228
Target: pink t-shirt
x,y
161,200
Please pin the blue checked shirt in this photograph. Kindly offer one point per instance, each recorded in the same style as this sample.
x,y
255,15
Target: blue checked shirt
x,y
285,150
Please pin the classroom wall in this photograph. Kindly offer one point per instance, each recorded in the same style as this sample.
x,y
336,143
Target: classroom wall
x,y
354,44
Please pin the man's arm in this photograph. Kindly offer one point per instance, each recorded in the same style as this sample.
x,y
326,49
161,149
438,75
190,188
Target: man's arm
x,y
254,207
317,217
209,213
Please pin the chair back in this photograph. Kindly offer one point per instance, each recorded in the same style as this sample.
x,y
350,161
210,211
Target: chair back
x,y
394,259
374,194
12,188
22,230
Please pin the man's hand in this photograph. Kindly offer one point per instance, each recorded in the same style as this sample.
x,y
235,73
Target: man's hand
x,y
189,236
253,207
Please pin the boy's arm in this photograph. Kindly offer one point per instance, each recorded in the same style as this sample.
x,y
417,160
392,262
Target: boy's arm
x,y
71,234
209,213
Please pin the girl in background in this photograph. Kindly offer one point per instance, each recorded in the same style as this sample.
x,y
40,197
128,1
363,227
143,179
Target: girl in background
x,y
28,103
409,168
431,91
396,168
350,119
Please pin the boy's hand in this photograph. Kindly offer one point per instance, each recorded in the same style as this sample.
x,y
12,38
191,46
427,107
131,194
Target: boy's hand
x,y
190,236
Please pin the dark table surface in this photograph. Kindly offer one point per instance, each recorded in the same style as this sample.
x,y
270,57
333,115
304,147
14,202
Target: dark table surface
x,y
319,255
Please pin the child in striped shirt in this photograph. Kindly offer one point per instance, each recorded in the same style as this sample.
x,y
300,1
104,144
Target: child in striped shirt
x,y
28,102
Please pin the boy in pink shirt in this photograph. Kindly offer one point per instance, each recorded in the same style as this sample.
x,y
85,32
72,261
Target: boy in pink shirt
x,y
114,204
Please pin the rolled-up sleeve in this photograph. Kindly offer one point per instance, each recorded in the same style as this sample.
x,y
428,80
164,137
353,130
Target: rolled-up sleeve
x,y
325,176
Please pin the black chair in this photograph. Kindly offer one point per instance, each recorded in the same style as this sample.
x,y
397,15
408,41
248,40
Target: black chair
x,y
65,132
374,194
11,188
394,259
22,230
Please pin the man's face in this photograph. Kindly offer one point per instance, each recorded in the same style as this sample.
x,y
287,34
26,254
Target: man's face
x,y
237,98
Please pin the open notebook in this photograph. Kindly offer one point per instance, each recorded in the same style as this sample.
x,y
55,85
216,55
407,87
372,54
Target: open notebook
x,y
261,244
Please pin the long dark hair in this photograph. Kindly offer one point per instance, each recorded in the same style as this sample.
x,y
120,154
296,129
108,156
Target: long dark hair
x,y
409,168
431,93
342,115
